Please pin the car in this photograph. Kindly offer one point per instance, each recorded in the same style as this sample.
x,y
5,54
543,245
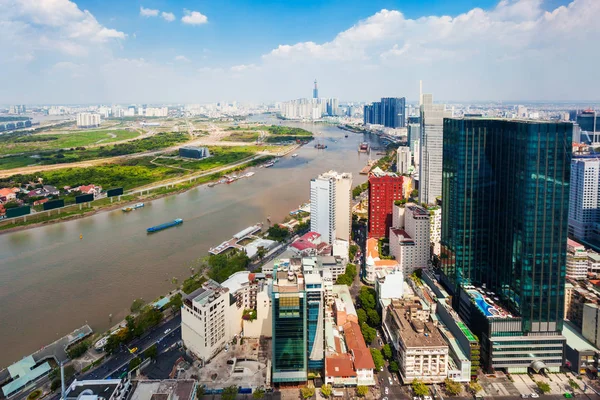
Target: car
x,y
386,390
390,380
426,397
167,331
524,396
133,350
535,395
381,369
416,398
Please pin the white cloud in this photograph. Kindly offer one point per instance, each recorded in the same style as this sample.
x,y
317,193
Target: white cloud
x,y
168,16
148,12
194,18
243,67
182,59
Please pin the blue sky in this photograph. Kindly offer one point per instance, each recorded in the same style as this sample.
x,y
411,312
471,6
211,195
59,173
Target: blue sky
x,y
114,51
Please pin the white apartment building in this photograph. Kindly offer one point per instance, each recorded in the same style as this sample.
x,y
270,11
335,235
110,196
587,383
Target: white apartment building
x,y
431,145
373,263
435,233
330,206
403,160
593,263
304,109
156,112
577,260
209,320
584,198
410,242
590,323
88,120
421,351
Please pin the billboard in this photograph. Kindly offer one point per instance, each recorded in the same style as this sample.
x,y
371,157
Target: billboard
x,y
114,192
52,204
18,211
84,198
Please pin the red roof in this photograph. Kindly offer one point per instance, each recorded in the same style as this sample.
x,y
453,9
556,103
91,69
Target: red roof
x,y
356,345
6,192
302,245
310,236
339,366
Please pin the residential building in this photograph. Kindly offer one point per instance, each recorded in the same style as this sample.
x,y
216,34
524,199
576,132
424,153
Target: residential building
x,y
98,389
263,324
589,121
389,285
504,236
194,152
290,339
431,144
306,245
384,189
419,347
90,189
577,260
590,323
593,263
210,317
403,160
8,194
389,112
361,355
412,138
584,198
88,120
374,263
330,206
409,242
435,233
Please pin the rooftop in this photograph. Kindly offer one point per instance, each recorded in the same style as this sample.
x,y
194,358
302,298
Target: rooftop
x,y
487,301
339,365
343,293
236,281
575,340
171,389
416,333
101,387
207,293
356,346
23,372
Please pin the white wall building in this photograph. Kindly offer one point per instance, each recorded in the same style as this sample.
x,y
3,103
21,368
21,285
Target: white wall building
x,y
431,144
577,260
435,233
88,120
410,242
330,206
403,160
156,112
590,323
584,198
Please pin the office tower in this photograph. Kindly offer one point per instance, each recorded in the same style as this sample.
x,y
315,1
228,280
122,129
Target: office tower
x,y
88,120
367,111
589,121
431,143
413,133
504,236
288,299
315,91
331,206
393,110
403,160
315,308
384,189
332,107
584,198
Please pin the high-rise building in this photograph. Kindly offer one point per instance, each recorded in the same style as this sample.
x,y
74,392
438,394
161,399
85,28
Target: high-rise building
x,y
410,237
589,121
577,260
384,189
584,199
403,160
88,120
290,354
332,107
331,206
431,144
393,112
413,134
315,91
504,236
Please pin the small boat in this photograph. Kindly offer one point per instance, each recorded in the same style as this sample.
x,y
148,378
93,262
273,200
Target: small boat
x,y
138,205
166,225
127,209
294,155
269,164
134,207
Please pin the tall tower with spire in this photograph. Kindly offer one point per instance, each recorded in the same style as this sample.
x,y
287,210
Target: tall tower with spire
x,y
315,91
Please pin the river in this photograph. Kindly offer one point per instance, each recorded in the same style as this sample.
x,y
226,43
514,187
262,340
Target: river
x,y
52,282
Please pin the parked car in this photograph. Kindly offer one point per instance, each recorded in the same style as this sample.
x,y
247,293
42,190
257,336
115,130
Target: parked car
x,y
535,395
524,396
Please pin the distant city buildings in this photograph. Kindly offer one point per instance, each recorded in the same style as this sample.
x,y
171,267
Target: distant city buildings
x,y
330,206
504,236
88,120
389,112
584,199
403,159
17,109
431,144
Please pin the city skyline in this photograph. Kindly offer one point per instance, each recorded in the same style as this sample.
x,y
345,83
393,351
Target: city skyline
x,y
160,51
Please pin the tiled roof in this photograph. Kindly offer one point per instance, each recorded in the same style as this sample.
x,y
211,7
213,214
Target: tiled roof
x,y
302,245
339,366
356,345
310,236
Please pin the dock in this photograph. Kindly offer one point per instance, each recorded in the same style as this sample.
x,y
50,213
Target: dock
x,y
238,237
365,170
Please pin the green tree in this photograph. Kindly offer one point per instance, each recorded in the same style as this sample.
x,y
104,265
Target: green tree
x,y
394,367
475,387
137,305
229,393
134,363
261,252
386,350
419,388
151,352
34,395
351,270
573,384
543,387
368,333
78,350
362,316
343,280
258,394
326,390
199,391
278,233
374,318
55,384
452,388
176,302
352,250
307,392
377,358
362,391
366,297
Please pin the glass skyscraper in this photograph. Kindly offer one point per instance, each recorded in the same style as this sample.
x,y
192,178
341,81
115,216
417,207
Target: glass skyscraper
x,y
505,201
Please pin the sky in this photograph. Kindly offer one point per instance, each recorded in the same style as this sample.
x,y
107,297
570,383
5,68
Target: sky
x,y
196,51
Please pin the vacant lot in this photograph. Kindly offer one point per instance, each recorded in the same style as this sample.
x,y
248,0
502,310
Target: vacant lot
x,y
242,136
61,140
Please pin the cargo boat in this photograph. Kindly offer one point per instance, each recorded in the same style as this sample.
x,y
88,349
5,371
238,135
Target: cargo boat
x,y
364,147
166,225
134,207
269,164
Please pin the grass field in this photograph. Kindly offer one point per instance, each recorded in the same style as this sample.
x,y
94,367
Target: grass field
x,y
17,161
63,140
242,137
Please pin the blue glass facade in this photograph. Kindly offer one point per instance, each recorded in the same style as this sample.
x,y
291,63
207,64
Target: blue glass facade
x,y
315,329
505,198
289,337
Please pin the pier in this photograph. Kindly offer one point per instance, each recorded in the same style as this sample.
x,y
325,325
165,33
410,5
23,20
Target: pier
x,y
238,237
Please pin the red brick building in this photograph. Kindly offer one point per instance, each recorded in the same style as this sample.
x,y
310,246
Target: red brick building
x,y
384,189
